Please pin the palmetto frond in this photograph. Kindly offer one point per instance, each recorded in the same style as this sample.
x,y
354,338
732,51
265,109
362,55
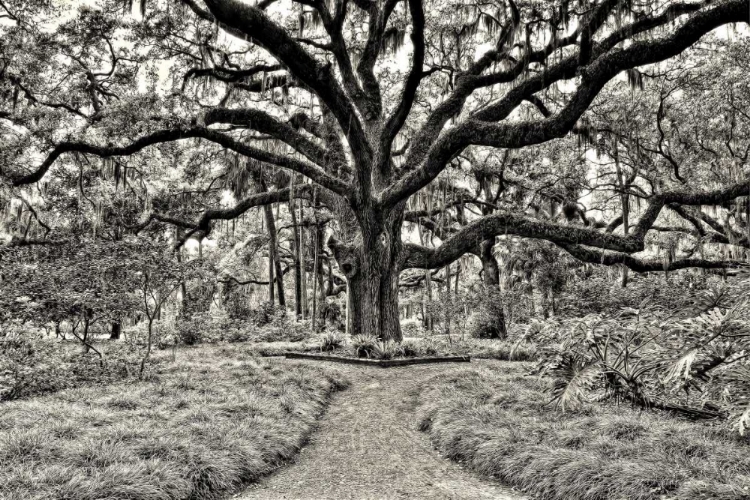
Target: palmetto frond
x,y
573,378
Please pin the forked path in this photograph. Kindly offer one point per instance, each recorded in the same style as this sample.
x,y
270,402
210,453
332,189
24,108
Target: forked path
x,y
367,446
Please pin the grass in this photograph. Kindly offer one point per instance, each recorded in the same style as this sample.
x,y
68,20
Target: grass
x,y
280,348
199,428
503,350
496,421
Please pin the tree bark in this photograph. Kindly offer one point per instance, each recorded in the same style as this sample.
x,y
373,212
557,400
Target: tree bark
x,y
296,255
491,276
372,264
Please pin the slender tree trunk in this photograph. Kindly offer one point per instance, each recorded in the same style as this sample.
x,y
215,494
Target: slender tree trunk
x,y
85,335
273,259
115,331
148,346
296,253
315,282
271,279
303,261
625,199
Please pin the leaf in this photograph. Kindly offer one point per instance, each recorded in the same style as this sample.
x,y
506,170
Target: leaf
x,y
743,424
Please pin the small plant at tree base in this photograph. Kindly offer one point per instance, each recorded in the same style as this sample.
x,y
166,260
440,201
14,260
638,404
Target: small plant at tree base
x,y
364,345
410,349
331,341
387,349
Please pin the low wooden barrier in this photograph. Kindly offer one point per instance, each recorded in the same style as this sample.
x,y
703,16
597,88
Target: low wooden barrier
x,y
383,363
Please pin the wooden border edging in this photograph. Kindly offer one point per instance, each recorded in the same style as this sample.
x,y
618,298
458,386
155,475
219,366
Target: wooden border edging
x,y
383,363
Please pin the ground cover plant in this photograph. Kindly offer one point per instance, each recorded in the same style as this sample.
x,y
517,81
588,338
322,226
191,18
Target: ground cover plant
x,y
198,428
497,420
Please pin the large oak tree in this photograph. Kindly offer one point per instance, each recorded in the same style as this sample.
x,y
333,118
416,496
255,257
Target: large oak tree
x,y
324,89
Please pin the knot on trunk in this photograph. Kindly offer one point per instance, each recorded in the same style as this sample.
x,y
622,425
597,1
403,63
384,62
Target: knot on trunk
x,y
347,257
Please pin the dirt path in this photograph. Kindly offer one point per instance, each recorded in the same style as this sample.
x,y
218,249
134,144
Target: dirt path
x,y
367,446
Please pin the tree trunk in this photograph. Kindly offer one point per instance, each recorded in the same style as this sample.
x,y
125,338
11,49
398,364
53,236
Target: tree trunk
x,y
315,281
296,253
491,275
273,257
303,261
372,267
115,331
148,347
85,335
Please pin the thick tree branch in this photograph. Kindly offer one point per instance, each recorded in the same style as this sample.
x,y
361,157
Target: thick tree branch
x,y
249,22
397,119
593,78
595,256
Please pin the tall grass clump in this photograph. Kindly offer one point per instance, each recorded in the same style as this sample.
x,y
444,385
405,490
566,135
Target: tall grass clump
x,y
498,422
199,429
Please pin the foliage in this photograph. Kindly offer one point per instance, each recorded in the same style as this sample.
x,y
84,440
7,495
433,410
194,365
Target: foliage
x,y
30,367
487,320
331,341
386,349
691,361
363,346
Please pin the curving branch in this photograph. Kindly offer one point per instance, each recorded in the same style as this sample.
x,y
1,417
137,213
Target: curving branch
x,y
248,22
397,119
463,240
595,256
310,170
203,225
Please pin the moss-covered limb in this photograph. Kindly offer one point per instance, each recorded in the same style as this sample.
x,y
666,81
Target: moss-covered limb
x,y
204,223
264,123
398,118
316,173
595,256
489,226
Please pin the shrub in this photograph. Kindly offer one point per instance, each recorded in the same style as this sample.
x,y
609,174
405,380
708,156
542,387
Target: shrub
x,y
190,328
410,349
488,320
29,367
412,328
265,314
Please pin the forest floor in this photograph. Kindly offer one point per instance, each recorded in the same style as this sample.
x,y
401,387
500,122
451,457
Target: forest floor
x,y
368,446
